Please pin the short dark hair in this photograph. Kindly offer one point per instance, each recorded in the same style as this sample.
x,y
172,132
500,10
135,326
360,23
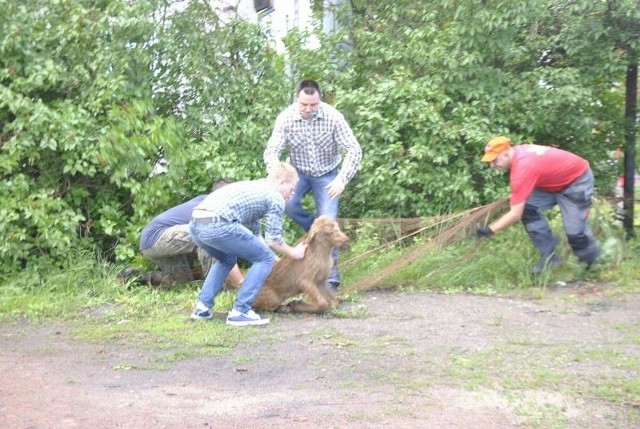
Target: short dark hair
x,y
309,87
220,183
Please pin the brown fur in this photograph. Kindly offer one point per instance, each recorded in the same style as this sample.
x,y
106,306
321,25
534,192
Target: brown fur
x,y
307,276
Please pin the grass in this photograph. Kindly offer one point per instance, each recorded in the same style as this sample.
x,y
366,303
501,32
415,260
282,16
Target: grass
x,y
87,297
537,391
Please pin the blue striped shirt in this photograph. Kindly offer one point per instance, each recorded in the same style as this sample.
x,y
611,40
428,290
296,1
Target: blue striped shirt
x,y
248,202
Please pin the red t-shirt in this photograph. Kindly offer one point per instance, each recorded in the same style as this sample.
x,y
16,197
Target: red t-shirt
x,y
544,167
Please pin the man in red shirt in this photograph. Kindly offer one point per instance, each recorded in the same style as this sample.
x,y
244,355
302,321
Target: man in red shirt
x,y
541,177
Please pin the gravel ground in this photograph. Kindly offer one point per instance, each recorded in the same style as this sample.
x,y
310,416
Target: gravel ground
x,y
412,360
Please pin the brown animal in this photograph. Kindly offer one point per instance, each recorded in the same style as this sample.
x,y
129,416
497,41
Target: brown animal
x,y
307,276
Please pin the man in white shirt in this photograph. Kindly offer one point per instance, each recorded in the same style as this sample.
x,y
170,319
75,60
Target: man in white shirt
x,y
314,133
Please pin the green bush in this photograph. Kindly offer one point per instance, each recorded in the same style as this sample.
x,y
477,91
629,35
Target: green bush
x,y
93,94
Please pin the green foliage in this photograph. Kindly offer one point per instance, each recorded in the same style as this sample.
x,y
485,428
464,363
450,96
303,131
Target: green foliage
x,y
456,74
496,266
86,289
92,94
79,134
212,78
86,296
467,266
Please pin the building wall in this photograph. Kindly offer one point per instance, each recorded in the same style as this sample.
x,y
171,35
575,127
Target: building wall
x,y
286,15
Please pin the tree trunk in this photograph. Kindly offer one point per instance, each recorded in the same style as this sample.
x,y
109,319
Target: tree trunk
x,y
630,113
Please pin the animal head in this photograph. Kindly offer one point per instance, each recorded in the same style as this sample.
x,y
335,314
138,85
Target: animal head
x,y
327,230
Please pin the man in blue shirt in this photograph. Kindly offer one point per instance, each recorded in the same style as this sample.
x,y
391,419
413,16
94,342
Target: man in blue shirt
x,y
166,242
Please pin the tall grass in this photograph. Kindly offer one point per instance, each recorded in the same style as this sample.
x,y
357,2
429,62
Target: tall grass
x,y
503,263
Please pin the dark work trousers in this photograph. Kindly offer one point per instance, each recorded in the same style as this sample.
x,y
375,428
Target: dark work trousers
x,y
574,202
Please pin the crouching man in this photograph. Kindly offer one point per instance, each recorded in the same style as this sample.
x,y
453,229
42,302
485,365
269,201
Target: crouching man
x,y
226,224
165,240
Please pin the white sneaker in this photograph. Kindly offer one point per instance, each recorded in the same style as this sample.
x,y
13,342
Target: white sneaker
x,y
236,318
201,312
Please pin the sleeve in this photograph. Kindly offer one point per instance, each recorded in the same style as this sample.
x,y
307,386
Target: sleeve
x,y
273,223
353,152
276,143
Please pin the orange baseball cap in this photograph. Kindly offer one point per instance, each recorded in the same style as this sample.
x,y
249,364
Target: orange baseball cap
x,y
495,147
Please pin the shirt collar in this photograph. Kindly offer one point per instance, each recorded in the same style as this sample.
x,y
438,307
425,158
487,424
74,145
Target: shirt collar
x,y
320,115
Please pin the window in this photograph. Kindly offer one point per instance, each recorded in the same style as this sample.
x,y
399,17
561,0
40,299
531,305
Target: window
x,y
263,6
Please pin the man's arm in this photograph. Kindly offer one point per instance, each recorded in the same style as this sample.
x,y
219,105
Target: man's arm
x,y
509,218
275,144
296,252
351,162
352,151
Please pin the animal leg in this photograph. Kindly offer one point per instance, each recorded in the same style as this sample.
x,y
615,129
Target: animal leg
x,y
319,303
329,296
267,299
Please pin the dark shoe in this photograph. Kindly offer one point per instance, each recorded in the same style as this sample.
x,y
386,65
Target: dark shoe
x,y
157,279
333,287
129,274
591,258
547,263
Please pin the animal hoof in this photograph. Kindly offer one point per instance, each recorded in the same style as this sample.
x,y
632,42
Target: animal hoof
x,y
284,309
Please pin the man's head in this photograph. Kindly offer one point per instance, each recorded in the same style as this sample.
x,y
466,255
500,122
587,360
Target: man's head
x,y
498,153
221,183
308,96
285,177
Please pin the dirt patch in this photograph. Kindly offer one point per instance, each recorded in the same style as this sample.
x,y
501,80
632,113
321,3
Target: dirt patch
x,y
433,360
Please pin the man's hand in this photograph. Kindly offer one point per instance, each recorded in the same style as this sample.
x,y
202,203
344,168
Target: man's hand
x,y
298,251
484,232
335,188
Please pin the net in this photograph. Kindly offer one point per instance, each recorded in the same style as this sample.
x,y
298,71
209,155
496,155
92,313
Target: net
x,y
434,232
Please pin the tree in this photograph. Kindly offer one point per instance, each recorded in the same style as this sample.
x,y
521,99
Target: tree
x,y
427,83
223,84
79,130
92,94
623,19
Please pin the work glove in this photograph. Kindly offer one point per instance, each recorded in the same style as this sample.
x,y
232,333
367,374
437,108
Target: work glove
x,y
483,232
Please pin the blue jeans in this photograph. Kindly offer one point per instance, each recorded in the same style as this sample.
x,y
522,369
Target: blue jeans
x,y
324,206
226,242
574,202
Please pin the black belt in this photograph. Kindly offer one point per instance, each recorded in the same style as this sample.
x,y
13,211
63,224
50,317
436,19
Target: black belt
x,y
206,219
